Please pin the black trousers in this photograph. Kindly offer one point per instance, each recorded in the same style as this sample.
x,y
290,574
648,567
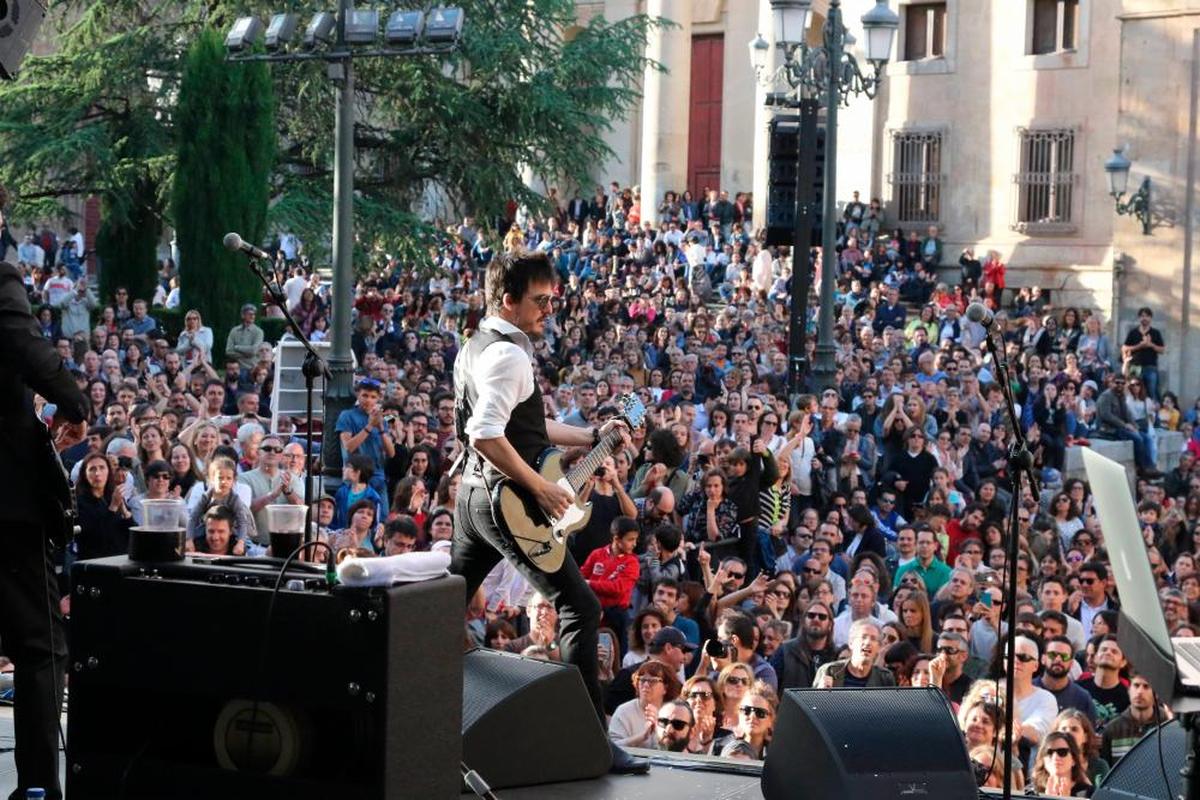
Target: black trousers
x,y
32,636
478,547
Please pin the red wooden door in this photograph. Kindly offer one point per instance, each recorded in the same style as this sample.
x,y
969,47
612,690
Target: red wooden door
x,y
704,114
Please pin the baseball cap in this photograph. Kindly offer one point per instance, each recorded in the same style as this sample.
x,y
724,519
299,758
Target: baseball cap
x,y
667,636
369,383
249,307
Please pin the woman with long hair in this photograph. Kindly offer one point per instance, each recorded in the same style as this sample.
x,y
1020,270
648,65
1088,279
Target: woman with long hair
x,y
733,682
1074,722
184,474
104,517
700,692
151,443
1058,769
645,626
97,395
196,339
1066,518
917,622
756,720
1094,349
204,440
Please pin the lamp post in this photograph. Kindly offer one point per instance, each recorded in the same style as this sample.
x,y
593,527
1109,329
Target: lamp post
x,y
829,72
1138,205
350,34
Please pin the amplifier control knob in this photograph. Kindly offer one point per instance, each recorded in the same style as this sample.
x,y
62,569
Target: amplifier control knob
x,y
353,689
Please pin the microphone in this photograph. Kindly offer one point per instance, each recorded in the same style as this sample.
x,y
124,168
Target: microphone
x,y
976,312
237,244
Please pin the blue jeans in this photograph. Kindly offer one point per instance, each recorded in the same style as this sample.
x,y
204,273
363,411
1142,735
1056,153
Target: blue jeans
x,y
1150,381
1141,447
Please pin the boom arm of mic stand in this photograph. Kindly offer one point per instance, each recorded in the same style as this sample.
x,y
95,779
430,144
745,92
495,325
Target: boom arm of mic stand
x,y
1020,463
314,366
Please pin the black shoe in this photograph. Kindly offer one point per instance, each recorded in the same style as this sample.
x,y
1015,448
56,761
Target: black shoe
x,y
625,764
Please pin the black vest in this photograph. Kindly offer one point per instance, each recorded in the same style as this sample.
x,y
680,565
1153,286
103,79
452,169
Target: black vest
x,y
526,428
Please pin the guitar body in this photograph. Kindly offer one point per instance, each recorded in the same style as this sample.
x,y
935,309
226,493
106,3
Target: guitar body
x,y
521,519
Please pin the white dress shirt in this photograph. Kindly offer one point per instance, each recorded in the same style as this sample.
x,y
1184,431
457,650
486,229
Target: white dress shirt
x,y
503,376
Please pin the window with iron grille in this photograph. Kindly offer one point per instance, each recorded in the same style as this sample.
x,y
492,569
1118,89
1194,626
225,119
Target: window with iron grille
x,y
916,175
1046,180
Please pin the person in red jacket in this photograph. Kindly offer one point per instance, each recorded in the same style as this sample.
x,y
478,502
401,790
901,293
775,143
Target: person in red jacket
x,y
612,572
966,528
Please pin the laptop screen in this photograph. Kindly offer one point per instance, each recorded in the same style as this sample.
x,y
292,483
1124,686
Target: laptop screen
x,y
1126,547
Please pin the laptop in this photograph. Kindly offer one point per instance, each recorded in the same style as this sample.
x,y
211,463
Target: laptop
x,y
1149,646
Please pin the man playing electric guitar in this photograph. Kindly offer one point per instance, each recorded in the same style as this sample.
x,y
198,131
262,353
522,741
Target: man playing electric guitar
x,y
501,416
36,496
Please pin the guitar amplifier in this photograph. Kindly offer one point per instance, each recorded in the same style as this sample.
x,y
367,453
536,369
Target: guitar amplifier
x,y
180,688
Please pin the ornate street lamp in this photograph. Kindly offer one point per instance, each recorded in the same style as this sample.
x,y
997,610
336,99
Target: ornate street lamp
x,y
1137,205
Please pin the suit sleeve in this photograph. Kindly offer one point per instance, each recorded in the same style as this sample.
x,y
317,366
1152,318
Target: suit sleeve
x,y
30,355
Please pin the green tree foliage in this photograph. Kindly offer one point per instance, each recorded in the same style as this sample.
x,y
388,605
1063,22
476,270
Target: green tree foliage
x,y
127,245
222,178
530,87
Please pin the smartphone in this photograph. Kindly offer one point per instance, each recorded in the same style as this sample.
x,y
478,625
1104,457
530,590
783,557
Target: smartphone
x,y
986,599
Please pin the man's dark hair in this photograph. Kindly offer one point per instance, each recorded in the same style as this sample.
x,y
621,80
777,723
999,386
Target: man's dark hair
x,y
1062,584
220,512
668,536
939,510
1060,640
512,274
670,583
742,626
667,706
214,382
403,525
621,526
1055,616
1096,567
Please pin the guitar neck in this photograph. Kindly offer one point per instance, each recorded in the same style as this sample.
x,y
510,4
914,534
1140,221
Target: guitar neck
x,y
587,466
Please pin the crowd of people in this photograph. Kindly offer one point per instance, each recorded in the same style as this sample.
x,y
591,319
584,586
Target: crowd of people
x,y
748,542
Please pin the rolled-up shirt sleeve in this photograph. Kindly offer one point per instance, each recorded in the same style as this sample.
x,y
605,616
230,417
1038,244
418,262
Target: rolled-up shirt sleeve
x,y
504,378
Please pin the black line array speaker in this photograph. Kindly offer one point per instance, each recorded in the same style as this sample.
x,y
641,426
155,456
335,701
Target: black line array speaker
x,y
850,743
360,695
527,721
795,176
1139,774
19,24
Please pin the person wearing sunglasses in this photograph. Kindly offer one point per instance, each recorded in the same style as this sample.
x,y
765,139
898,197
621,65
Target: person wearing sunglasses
x,y
1058,659
1059,770
797,660
704,697
158,487
1036,708
756,723
859,669
673,729
270,485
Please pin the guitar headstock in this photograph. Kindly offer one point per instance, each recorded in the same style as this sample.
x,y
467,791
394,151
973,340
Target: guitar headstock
x,y
633,410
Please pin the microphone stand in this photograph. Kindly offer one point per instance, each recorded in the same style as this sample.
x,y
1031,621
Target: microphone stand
x,y
312,368
1020,463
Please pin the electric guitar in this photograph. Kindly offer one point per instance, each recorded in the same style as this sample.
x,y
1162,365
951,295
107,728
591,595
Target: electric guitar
x,y
542,538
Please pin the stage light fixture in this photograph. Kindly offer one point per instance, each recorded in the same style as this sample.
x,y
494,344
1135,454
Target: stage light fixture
x,y
362,26
243,34
281,31
444,25
404,27
320,29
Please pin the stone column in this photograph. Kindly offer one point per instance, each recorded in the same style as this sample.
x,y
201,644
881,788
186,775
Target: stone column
x,y
664,152
625,135
762,119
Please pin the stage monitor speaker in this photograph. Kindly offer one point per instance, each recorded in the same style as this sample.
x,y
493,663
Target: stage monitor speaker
x,y
841,743
1138,775
527,721
19,24
359,694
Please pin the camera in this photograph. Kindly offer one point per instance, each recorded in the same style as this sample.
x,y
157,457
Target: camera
x,y
124,462
389,420
715,648
599,472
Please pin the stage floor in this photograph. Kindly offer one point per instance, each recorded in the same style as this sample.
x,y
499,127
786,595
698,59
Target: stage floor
x,y
666,780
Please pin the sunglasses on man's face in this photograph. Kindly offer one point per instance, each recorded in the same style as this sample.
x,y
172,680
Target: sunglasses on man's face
x,y
675,724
